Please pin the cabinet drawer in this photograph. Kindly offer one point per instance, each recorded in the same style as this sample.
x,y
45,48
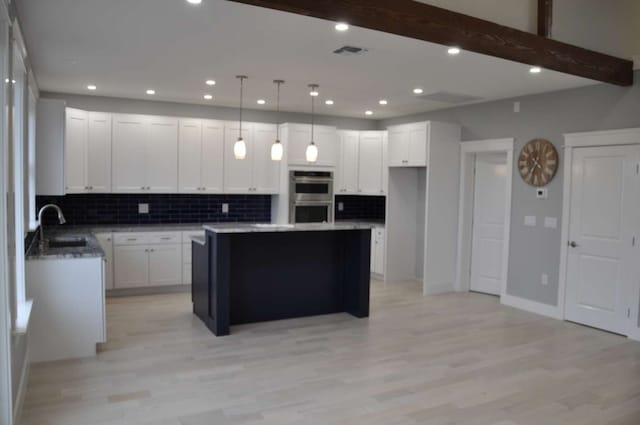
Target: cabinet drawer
x,y
129,238
164,238
186,236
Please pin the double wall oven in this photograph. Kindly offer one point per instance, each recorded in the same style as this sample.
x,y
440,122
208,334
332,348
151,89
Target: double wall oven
x,y
310,196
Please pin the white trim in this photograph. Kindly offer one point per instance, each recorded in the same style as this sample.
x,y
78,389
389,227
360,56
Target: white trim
x,y
22,388
531,306
468,150
628,136
22,320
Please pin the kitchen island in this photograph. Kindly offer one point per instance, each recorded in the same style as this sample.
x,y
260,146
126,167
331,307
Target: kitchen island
x,y
247,273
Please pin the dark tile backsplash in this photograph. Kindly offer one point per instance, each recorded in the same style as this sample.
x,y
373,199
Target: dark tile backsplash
x,y
360,207
93,209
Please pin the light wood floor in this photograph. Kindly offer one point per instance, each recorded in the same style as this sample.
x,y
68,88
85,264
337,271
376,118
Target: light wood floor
x,y
440,360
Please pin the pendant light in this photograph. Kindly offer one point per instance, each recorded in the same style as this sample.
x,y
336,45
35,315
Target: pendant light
x,y
312,149
277,149
240,147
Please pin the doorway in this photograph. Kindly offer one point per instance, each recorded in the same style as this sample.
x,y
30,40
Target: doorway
x,y
485,215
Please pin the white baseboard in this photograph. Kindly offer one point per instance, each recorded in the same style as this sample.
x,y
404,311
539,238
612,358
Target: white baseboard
x,y
531,306
22,389
439,288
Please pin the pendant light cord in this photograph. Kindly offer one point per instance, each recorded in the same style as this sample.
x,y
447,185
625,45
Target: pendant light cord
x,y
241,97
313,110
278,113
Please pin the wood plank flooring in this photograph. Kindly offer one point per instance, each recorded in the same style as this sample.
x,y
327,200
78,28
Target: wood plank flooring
x,y
439,360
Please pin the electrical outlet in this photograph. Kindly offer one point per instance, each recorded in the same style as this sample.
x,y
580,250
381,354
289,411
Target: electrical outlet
x,y
530,221
544,279
143,208
551,222
340,206
542,193
225,208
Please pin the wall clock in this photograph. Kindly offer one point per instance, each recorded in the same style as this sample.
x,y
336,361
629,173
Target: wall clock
x,y
538,162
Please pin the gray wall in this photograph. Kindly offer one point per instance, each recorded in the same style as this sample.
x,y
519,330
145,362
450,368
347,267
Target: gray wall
x,y
534,251
135,106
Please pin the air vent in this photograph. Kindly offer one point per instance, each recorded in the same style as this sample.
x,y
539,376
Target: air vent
x,y
449,97
350,51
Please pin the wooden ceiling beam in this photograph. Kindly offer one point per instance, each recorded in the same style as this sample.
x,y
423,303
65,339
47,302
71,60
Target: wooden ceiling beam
x,y
421,21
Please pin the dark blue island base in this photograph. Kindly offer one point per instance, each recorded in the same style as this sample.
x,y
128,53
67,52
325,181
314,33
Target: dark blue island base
x,y
257,276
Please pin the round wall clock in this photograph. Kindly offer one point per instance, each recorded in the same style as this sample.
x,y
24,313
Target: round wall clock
x,y
538,162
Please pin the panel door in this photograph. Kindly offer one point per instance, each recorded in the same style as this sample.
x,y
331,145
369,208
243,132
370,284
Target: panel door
x,y
212,156
130,133
165,265
418,145
379,251
298,138
106,243
237,172
326,138
370,158
347,179
372,261
398,147
162,155
99,153
490,194
131,266
266,172
601,267
75,151
190,156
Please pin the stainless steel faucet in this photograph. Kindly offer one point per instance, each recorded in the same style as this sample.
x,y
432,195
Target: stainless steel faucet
x,y
43,242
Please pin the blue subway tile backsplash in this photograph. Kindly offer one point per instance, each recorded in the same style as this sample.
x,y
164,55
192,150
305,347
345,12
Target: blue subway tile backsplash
x,y
360,207
91,209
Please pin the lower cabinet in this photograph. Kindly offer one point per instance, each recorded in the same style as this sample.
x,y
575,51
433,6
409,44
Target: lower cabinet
x,y
106,243
377,250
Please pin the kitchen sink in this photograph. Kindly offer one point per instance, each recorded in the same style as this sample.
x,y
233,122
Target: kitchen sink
x,y
67,242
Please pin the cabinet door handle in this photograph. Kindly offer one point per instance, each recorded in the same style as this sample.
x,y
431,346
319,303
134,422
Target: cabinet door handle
x,y
132,239
142,188
166,238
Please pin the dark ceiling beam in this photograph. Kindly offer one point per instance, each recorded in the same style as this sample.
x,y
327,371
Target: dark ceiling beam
x,y
545,17
436,25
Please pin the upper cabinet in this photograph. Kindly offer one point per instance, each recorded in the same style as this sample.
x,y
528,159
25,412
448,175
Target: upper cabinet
x,y
362,167
145,154
87,152
347,172
409,145
297,137
201,156
256,173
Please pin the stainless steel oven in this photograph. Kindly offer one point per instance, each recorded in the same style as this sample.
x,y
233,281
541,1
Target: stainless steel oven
x,y
311,196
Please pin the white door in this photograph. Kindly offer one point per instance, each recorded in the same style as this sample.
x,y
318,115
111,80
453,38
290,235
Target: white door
x,y
131,266
99,153
266,172
130,133
165,265
237,172
490,194
370,156
398,146
348,162
162,155
212,156
190,156
75,145
601,268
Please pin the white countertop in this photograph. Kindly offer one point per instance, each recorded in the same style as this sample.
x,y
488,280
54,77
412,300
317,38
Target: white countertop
x,y
270,228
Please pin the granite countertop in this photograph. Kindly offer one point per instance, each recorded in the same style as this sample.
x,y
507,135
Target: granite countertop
x,y
270,228
201,240
131,228
375,223
90,250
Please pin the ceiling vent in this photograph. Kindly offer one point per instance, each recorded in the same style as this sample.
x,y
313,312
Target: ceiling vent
x,y
350,51
449,97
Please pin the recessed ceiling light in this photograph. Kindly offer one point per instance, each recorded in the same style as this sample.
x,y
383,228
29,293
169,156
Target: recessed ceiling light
x,y
368,112
208,96
151,92
329,102
418,91
535,70
261,101
383,102
211,82
92,87
342,26
453,51
194,1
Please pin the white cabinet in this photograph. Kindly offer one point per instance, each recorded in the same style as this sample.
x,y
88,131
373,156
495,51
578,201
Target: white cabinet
x,y
348,162
147,259
377,250
50,134
408,145
145,151
106,243
201,156
186,254
370,158
87,161
256,173
298,136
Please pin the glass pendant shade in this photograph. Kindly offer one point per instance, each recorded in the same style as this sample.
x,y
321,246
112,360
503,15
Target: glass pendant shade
x,y
277,151
240,149
312,152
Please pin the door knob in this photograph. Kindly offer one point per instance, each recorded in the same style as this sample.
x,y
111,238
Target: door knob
x,y
573,244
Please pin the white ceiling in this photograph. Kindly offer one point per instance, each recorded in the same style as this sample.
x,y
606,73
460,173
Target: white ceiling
x,y
127,46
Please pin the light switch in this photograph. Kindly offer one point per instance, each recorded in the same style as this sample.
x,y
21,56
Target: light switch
x,y
551,222
143,208
530,221
516,107
225,208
